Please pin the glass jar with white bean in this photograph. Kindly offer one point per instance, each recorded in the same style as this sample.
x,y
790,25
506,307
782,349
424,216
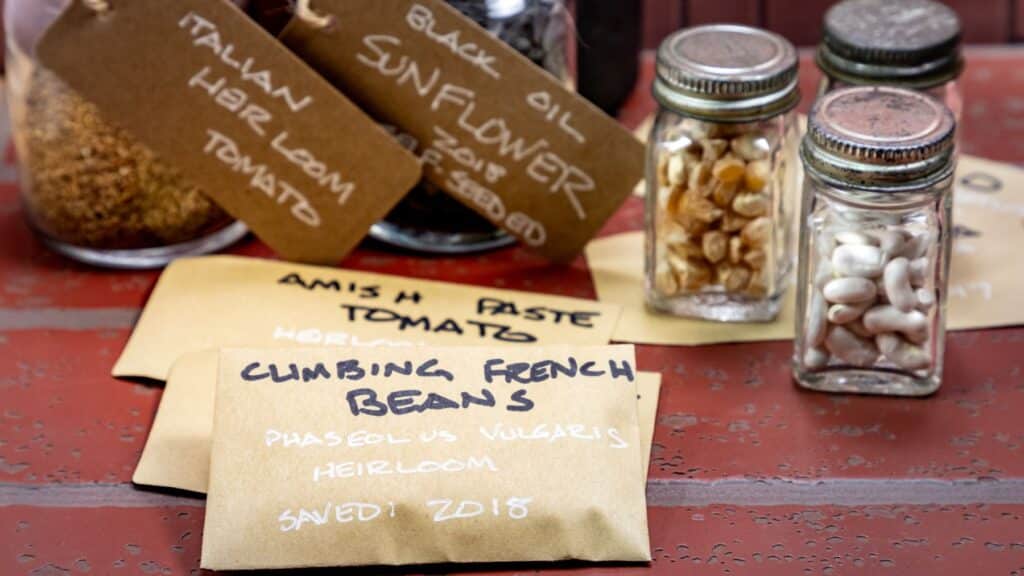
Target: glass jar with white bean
x,y
875,242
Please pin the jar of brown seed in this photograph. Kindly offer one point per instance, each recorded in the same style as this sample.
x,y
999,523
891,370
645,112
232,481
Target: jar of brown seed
x,y
90,189
720,177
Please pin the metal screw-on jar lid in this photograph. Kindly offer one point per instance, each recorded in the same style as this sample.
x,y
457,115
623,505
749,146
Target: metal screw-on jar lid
x,y
879,138
728,73
912,43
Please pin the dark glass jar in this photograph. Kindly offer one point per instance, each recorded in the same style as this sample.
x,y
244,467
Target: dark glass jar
x,y
875,240
428,219
90,190
912,44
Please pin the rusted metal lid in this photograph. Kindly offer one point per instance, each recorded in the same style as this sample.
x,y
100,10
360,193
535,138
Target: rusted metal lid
x,y
911,43
882,138
727,72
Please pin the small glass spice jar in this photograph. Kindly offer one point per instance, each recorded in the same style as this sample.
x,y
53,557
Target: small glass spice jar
x,y
912,44
89,189
721,174
875,242
429,220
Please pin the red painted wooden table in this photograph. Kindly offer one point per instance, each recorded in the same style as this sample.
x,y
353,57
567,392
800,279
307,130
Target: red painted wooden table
x,y
748,475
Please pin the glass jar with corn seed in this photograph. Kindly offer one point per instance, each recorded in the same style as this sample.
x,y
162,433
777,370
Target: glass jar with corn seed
x,y
912,44
89,189
720,174
875,242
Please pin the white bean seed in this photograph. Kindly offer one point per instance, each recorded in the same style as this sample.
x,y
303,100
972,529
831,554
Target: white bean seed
x,y
850,290
858,260
846,313
902,353
897,284
850,348
917,246
888,318
855,238
890,241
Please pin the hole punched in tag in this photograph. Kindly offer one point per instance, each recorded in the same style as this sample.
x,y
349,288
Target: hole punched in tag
x,y
98,6
306,13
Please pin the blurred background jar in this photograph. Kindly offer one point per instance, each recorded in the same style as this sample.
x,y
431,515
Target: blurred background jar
x,y
720,174
90,190
428,219
912,44
876,233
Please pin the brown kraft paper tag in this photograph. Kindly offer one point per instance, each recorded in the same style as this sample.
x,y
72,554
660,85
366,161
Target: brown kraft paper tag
x,y
495,131
346,457
209,91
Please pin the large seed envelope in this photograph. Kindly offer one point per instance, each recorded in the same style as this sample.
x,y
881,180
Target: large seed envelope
x,y
346,457
227,301
177,451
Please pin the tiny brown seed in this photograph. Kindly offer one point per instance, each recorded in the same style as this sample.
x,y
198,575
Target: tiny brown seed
x,y
757,287
757,176
700,208
736,277
676,170
723,193
715,245
758,232
750,146
735,250
665,281
700,173
755,259
692,274
713,149
731,222
750,204
728,169
686,250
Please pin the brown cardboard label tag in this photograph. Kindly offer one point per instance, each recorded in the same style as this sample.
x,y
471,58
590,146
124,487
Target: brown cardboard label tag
x,y
344,457
497,132
216,96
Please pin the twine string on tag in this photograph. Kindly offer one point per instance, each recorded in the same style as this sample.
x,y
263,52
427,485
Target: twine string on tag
x,y
98,6
305,12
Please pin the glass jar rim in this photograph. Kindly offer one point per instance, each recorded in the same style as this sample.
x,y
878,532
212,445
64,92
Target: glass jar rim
x,y
931,185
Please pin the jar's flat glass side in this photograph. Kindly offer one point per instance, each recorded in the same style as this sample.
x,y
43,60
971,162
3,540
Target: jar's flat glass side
x,y
882,338
719,217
